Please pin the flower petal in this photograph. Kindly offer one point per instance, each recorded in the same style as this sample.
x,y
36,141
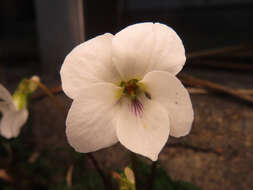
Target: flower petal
x,y
12,122
88,63
144,47
145,134
5,94
5,106
90,124
169,91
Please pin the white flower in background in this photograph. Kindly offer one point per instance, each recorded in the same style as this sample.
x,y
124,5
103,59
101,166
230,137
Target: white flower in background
x,y
14,108
124,89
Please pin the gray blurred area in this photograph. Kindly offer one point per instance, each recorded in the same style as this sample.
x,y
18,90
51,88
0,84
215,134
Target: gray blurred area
x,y
45,31
165,4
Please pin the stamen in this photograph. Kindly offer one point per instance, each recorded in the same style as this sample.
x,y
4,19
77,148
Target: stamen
x,y
147,95
137,107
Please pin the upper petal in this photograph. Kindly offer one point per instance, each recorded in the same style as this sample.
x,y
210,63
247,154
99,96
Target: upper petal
x,y
145,134
12,122
169,91
90,124
88,63
5,94
144,47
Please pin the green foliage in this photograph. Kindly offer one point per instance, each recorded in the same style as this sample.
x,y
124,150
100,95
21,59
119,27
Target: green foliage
x,y
161,180
90,181
126,179
50,169
185,185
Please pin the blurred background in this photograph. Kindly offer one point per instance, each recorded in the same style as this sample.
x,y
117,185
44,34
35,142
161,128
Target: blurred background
x,y
45,31
36,35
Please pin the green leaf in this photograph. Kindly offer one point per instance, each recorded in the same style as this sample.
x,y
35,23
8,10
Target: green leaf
x,y
182,185
161,180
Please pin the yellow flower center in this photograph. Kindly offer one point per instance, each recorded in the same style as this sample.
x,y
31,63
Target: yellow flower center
x,y
132,89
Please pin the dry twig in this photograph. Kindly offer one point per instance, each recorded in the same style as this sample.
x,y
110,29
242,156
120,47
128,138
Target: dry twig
x,y
69,176
5,176
192,81
50,93
54,90
204,91
34,157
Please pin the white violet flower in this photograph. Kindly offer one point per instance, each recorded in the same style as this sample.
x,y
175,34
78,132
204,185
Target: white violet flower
x,y
14,108
124,89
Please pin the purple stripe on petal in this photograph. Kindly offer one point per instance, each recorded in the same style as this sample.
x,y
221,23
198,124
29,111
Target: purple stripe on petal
x,y
137,108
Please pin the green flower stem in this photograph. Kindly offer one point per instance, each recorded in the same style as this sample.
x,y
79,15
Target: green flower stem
x,y
51,95
99,170
150,182
135,168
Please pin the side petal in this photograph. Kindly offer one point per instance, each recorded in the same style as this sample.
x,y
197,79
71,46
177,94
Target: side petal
x,y
12,122
5,94
144,47
5,107
145,134
88,63
90,124
166,89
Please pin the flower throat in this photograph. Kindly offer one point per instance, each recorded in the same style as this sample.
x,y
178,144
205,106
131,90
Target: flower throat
x,y
132,89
